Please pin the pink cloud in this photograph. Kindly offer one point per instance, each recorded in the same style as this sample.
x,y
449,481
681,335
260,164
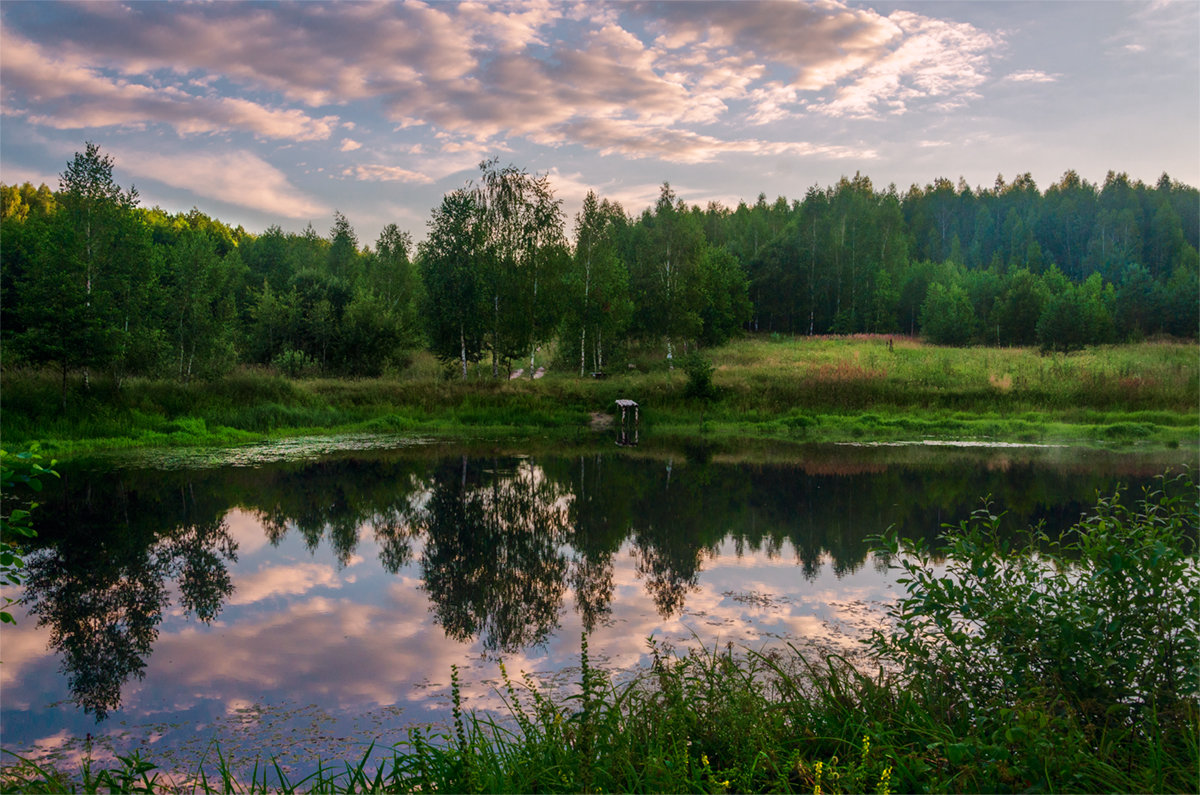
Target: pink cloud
x,y
68,94
235,177
551,73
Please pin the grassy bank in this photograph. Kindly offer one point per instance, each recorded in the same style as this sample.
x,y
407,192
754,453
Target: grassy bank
x,y
837,389
1077,674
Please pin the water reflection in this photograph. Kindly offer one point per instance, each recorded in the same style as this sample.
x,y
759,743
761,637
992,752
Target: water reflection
x,y
101,586
499,546
494,564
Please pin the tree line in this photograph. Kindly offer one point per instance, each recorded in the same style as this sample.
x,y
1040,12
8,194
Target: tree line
x,y
91,281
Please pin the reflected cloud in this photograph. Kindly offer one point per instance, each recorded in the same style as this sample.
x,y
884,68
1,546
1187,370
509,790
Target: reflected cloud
x,y
246,531
274,581
25,645
385,569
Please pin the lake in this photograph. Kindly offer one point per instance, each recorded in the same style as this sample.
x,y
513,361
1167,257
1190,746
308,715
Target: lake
x,y
306,600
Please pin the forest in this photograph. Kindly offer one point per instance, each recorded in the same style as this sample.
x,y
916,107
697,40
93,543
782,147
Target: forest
x,y
94,283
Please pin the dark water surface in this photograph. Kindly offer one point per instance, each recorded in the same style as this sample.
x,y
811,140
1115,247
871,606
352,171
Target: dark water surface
x,y
305,608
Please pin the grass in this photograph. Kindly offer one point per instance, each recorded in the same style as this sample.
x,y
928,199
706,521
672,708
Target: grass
x,y
809,389
957,699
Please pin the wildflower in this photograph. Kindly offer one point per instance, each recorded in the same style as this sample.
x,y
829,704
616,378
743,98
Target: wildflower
x,y
817,781
885,781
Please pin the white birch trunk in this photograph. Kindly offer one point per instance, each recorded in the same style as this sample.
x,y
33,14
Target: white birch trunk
x,y
462,340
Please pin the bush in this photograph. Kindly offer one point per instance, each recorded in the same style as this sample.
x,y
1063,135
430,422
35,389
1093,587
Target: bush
x,y
1101,623
700,374
294,363
19,469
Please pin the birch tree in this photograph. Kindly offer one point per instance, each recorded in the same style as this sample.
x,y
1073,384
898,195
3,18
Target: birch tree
x,y
456,295
87,288
598,283
523,258
667,276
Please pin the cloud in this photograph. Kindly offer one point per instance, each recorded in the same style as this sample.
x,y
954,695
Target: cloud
x,y
672,81
63,93
635,140
349,145
818,43
18,175
283,581
380,173
235,177
1031,76
935,59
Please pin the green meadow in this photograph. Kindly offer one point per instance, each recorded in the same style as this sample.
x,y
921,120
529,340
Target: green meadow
x,y
801,390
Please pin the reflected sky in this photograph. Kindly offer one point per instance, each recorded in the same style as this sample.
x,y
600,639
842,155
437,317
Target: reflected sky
x,y
350,601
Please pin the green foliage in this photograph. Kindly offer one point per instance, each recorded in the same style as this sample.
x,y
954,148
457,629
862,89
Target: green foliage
x,y
294,363
699,371
947,317
455,308
94,284
598,305
17,470
1091,635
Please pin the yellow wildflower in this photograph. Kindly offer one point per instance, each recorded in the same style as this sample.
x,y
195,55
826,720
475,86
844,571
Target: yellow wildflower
x,y
885,781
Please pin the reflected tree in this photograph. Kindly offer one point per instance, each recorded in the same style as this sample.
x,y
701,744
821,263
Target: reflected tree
x,y
598,523
493,562
102,587
500,540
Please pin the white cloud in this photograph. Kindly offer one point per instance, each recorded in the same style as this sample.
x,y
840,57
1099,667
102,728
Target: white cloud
x,y
18,175
934,60
381,173
1031,76
282,581
66,93
349,145
636,140
487,73
235,177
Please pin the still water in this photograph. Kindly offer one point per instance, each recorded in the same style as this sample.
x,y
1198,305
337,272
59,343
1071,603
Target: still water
x,y
303,606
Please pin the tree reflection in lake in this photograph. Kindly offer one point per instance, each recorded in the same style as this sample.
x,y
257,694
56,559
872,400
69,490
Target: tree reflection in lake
x,y
493,563
101,584
498,544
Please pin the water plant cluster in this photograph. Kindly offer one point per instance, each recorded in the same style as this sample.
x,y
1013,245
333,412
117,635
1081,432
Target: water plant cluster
x,y
1053,664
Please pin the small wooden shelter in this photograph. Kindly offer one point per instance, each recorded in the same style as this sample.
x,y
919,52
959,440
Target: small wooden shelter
x,y
624,436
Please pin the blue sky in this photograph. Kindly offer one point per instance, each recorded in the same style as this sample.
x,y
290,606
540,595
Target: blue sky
x,y
266,113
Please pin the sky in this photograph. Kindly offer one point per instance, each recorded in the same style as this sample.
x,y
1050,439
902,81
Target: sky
x,y
283,113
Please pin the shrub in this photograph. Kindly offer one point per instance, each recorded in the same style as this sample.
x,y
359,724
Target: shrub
x,y
700,374
1101,622
19,469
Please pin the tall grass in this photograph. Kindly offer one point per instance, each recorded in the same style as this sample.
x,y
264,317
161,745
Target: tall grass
x,y
820,389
